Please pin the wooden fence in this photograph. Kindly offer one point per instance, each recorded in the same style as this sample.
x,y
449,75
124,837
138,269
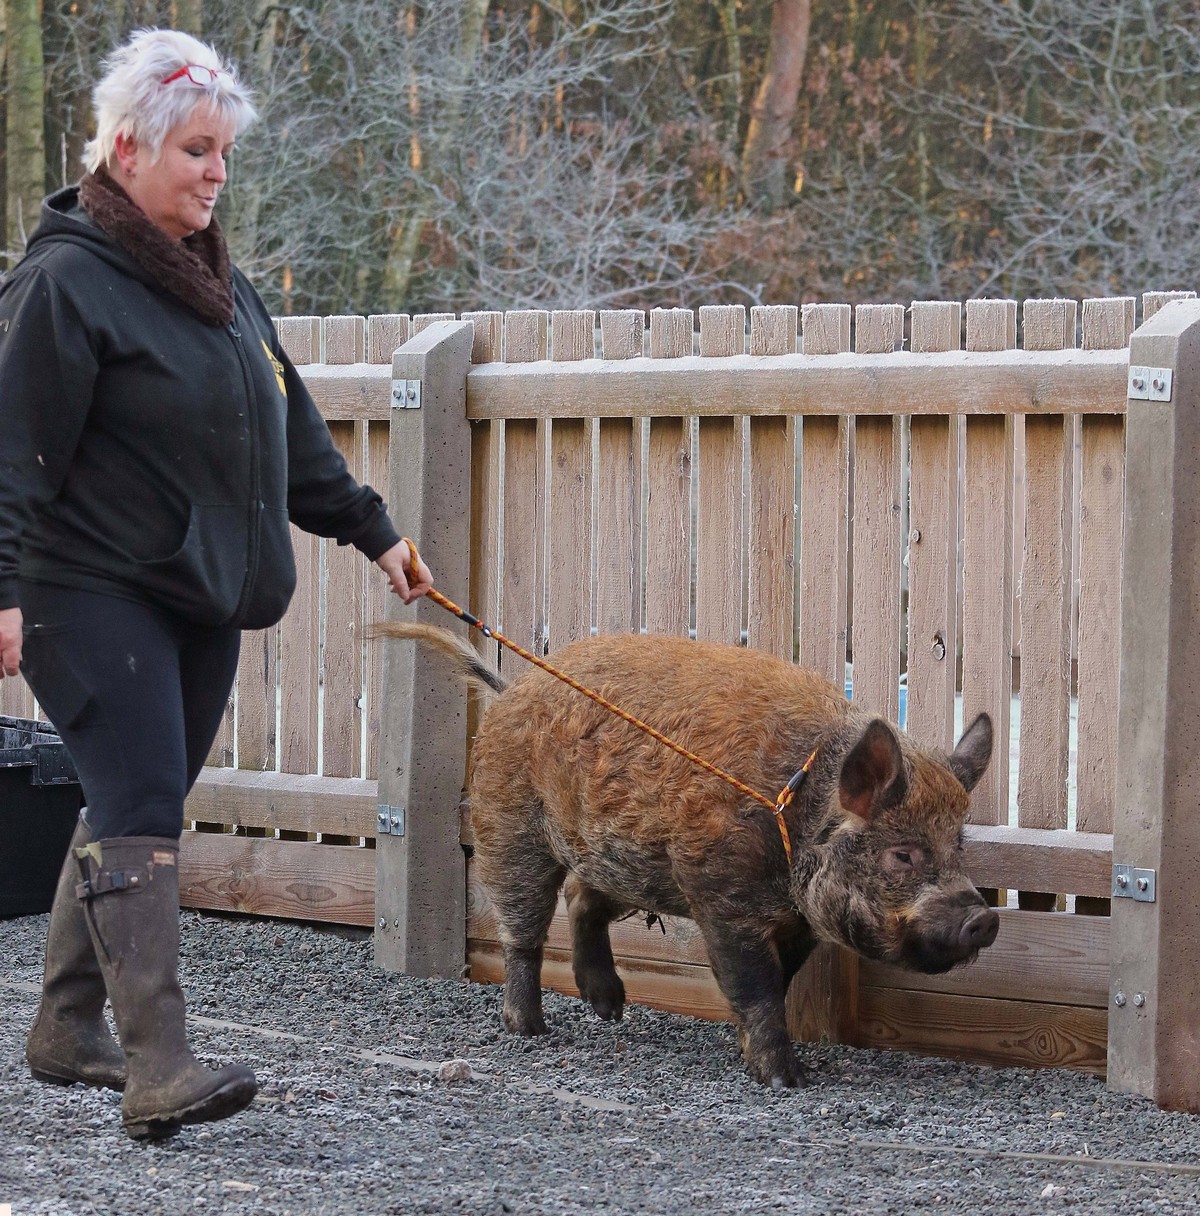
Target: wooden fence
x,y
820,483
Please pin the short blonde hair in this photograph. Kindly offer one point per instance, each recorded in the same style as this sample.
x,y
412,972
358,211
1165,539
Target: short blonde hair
x,y
131,100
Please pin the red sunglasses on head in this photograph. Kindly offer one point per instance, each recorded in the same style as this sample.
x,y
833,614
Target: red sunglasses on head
x,y
195,72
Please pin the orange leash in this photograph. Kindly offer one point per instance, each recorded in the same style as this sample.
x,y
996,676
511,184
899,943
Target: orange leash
x,y
776,808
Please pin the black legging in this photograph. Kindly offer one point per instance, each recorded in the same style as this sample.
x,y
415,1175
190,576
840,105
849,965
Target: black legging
x,y
135,694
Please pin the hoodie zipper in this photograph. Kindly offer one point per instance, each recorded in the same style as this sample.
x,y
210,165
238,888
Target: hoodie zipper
x,y
256,505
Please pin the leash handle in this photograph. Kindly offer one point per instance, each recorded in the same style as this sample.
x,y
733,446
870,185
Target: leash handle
x,y
776,808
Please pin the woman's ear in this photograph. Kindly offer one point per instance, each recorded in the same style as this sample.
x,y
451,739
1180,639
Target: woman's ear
x,y
127,153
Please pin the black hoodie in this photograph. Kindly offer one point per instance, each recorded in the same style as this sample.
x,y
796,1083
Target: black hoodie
x,y
148,455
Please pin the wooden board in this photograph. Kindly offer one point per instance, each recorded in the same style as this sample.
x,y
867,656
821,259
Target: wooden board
x,y
953,382
301,880
1008,1033
287,801
1037,859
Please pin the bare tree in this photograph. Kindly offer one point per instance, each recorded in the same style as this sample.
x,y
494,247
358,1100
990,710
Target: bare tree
x,y
983,147
459,155
1087,145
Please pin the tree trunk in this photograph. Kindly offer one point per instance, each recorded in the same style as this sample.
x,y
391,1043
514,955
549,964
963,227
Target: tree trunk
x,y
765,152
26,147
733,68
402,254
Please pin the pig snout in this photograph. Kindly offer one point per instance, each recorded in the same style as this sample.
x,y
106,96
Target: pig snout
x,y
978,930
948,929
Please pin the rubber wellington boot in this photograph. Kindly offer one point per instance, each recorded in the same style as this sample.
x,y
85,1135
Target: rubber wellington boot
x,y
70,1041
130,892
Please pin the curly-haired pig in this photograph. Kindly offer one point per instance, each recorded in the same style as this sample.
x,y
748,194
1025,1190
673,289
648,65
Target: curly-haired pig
x,y
563,790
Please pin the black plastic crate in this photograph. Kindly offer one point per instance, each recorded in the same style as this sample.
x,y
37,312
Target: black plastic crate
x,y
40,797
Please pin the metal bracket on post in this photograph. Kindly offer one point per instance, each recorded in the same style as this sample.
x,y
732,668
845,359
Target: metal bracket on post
x,y
406,394
1129,883
1149,384
389,821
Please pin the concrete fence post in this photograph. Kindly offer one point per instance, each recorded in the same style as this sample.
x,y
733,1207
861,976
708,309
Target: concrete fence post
x,y
1153,1028
420,894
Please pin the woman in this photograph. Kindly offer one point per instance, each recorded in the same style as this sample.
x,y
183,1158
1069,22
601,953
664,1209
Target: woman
x,y
156,443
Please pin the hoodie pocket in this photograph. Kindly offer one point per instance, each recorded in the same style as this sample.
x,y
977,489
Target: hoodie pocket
x,y
203,579
274,576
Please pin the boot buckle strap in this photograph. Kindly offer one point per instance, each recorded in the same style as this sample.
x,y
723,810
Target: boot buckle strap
x,y
108,880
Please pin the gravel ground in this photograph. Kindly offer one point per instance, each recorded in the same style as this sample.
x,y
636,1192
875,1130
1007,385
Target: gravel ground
x,y
385,1094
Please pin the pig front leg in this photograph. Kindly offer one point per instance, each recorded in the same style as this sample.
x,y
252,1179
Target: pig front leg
x,y
591,912
747,968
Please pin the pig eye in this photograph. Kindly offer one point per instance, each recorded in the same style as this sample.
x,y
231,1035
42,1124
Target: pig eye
x,y
903,860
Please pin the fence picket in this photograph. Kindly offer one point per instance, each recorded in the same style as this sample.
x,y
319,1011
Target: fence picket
x,y
345,578
933,518
1045,596
719,497
569,539
16,698
618,490
487,550
875,580
823,1003
525,470
669,479
771,532
1152,301
824,508
987,601
1107,325
385,333
299,631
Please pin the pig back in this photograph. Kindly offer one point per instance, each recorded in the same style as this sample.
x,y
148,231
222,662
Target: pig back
x,y
544,749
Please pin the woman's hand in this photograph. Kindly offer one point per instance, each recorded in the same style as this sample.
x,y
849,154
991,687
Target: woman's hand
x,y
10,641
408,583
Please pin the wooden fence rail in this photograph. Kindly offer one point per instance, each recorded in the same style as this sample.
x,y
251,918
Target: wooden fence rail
x,y
886,485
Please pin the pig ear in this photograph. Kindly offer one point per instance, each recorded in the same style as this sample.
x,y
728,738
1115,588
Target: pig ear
x,y
873,773
969,760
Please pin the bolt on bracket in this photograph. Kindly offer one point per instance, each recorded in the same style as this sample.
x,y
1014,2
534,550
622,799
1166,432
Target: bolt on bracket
x,y
1129,883
406,394
389,821
1149,384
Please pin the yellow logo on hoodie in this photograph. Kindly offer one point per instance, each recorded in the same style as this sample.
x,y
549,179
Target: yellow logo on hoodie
x,y
278,367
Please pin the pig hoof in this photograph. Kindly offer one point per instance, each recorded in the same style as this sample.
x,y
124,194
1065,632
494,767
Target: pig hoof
x,y
525,1024
605,994
780,1074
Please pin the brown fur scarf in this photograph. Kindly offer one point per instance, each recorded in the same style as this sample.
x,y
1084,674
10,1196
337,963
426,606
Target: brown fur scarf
x,y
194,270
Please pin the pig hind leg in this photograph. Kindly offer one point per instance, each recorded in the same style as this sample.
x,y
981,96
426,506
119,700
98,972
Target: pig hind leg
x,y
524,888
591,913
